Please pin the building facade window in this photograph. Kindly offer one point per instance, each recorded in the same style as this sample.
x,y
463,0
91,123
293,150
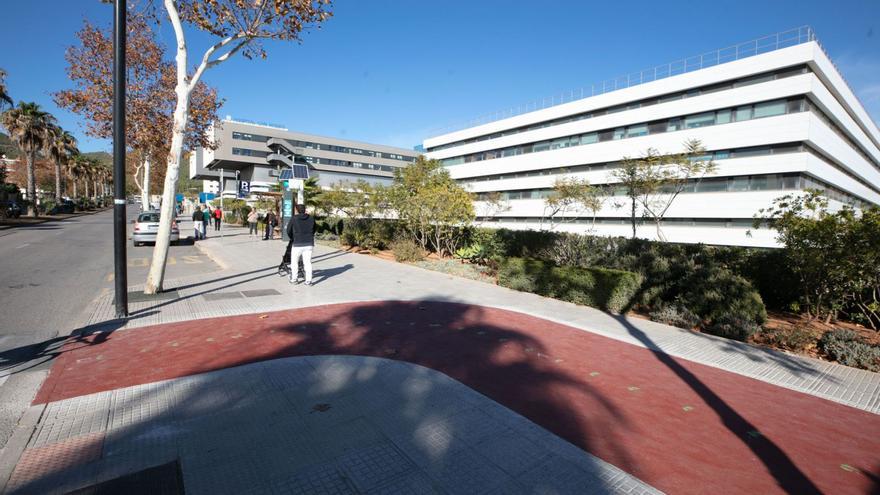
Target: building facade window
x,y
780,74
704,119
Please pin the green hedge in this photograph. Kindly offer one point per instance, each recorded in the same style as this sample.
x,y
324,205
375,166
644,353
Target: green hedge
x,y
611,290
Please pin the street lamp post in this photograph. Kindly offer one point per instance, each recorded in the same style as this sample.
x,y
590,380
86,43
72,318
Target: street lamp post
x,y
119,256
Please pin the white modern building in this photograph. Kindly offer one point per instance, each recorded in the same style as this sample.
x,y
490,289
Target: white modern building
x,y
775,114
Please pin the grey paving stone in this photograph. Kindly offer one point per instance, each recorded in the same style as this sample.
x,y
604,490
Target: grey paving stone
x,y
72,417
374,465
320,479
559,476
474,425
158,439
411,483
465,471
288,374
512,452
235,476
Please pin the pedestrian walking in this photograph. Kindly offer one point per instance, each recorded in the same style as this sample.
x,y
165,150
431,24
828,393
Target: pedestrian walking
x,y
197,223
218,214
301,230
252,222
206,218
271,219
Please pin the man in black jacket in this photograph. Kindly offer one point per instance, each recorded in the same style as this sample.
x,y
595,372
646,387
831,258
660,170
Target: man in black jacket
x,y
301,230
271,220
197,224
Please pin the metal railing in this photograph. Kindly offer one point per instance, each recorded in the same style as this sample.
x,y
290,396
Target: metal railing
x,y
764,44
254,122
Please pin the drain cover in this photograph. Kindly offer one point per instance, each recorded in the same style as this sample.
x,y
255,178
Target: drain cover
x,y
162,296
219,296
260,292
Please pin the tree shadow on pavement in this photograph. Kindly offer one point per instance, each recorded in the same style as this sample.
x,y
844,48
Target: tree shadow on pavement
x,y
320,275
31,356
485,354
270,429
786,473
156,307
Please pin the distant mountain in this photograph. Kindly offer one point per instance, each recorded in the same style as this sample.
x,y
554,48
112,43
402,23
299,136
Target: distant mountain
x,y
102,156
7,147
10,149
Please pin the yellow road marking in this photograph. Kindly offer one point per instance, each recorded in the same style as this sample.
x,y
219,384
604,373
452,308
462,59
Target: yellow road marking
x,y
171,261
191,259
138,262
110,277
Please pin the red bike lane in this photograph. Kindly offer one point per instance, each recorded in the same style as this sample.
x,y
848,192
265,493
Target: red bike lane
x,y
677,425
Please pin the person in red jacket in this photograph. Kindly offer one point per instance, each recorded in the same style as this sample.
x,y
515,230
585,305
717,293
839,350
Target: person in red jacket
x,y
218,214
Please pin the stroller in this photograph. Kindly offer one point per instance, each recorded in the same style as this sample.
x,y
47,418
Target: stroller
x,y
284,267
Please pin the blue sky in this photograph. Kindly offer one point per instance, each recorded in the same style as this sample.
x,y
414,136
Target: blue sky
x,y
394,71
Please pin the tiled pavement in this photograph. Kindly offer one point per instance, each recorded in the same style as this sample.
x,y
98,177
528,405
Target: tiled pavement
x,y
327,424
344,277
673,423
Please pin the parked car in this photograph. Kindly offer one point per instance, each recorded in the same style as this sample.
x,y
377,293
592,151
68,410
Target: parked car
x,y
63,207
147,226
13,209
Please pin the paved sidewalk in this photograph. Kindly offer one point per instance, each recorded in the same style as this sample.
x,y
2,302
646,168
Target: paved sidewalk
x,y
250,285
326,424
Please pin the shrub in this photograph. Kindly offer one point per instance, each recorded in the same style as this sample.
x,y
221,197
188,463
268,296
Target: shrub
x,y
611,290
407,250
733,327
715,293
326,236
676,315
47,205
845,347
797,338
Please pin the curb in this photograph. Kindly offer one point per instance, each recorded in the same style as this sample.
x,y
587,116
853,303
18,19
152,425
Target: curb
x,y
17,444
211,255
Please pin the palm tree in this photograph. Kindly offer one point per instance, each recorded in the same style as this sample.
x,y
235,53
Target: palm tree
x,y
78,169
29,126
4,93
62,148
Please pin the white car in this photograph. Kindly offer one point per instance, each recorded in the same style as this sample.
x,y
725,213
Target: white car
x,y
147,226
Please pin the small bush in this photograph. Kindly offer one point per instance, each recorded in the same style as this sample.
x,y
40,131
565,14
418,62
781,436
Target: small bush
x,y
732,327
797,338
326,236
611,290
845,347
407,250
676,315
715,293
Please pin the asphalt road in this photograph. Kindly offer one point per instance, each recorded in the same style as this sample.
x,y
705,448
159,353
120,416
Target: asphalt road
x,y
49,274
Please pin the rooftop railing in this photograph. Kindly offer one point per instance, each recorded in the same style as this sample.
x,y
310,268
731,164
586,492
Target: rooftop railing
x,y
751,48
254,122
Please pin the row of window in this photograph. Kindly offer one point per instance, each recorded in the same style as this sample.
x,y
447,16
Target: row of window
x,y
346,163
752,151
714,155
244,136
763,182
746,81
704,119
670,222
247,152
837,130
315,160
